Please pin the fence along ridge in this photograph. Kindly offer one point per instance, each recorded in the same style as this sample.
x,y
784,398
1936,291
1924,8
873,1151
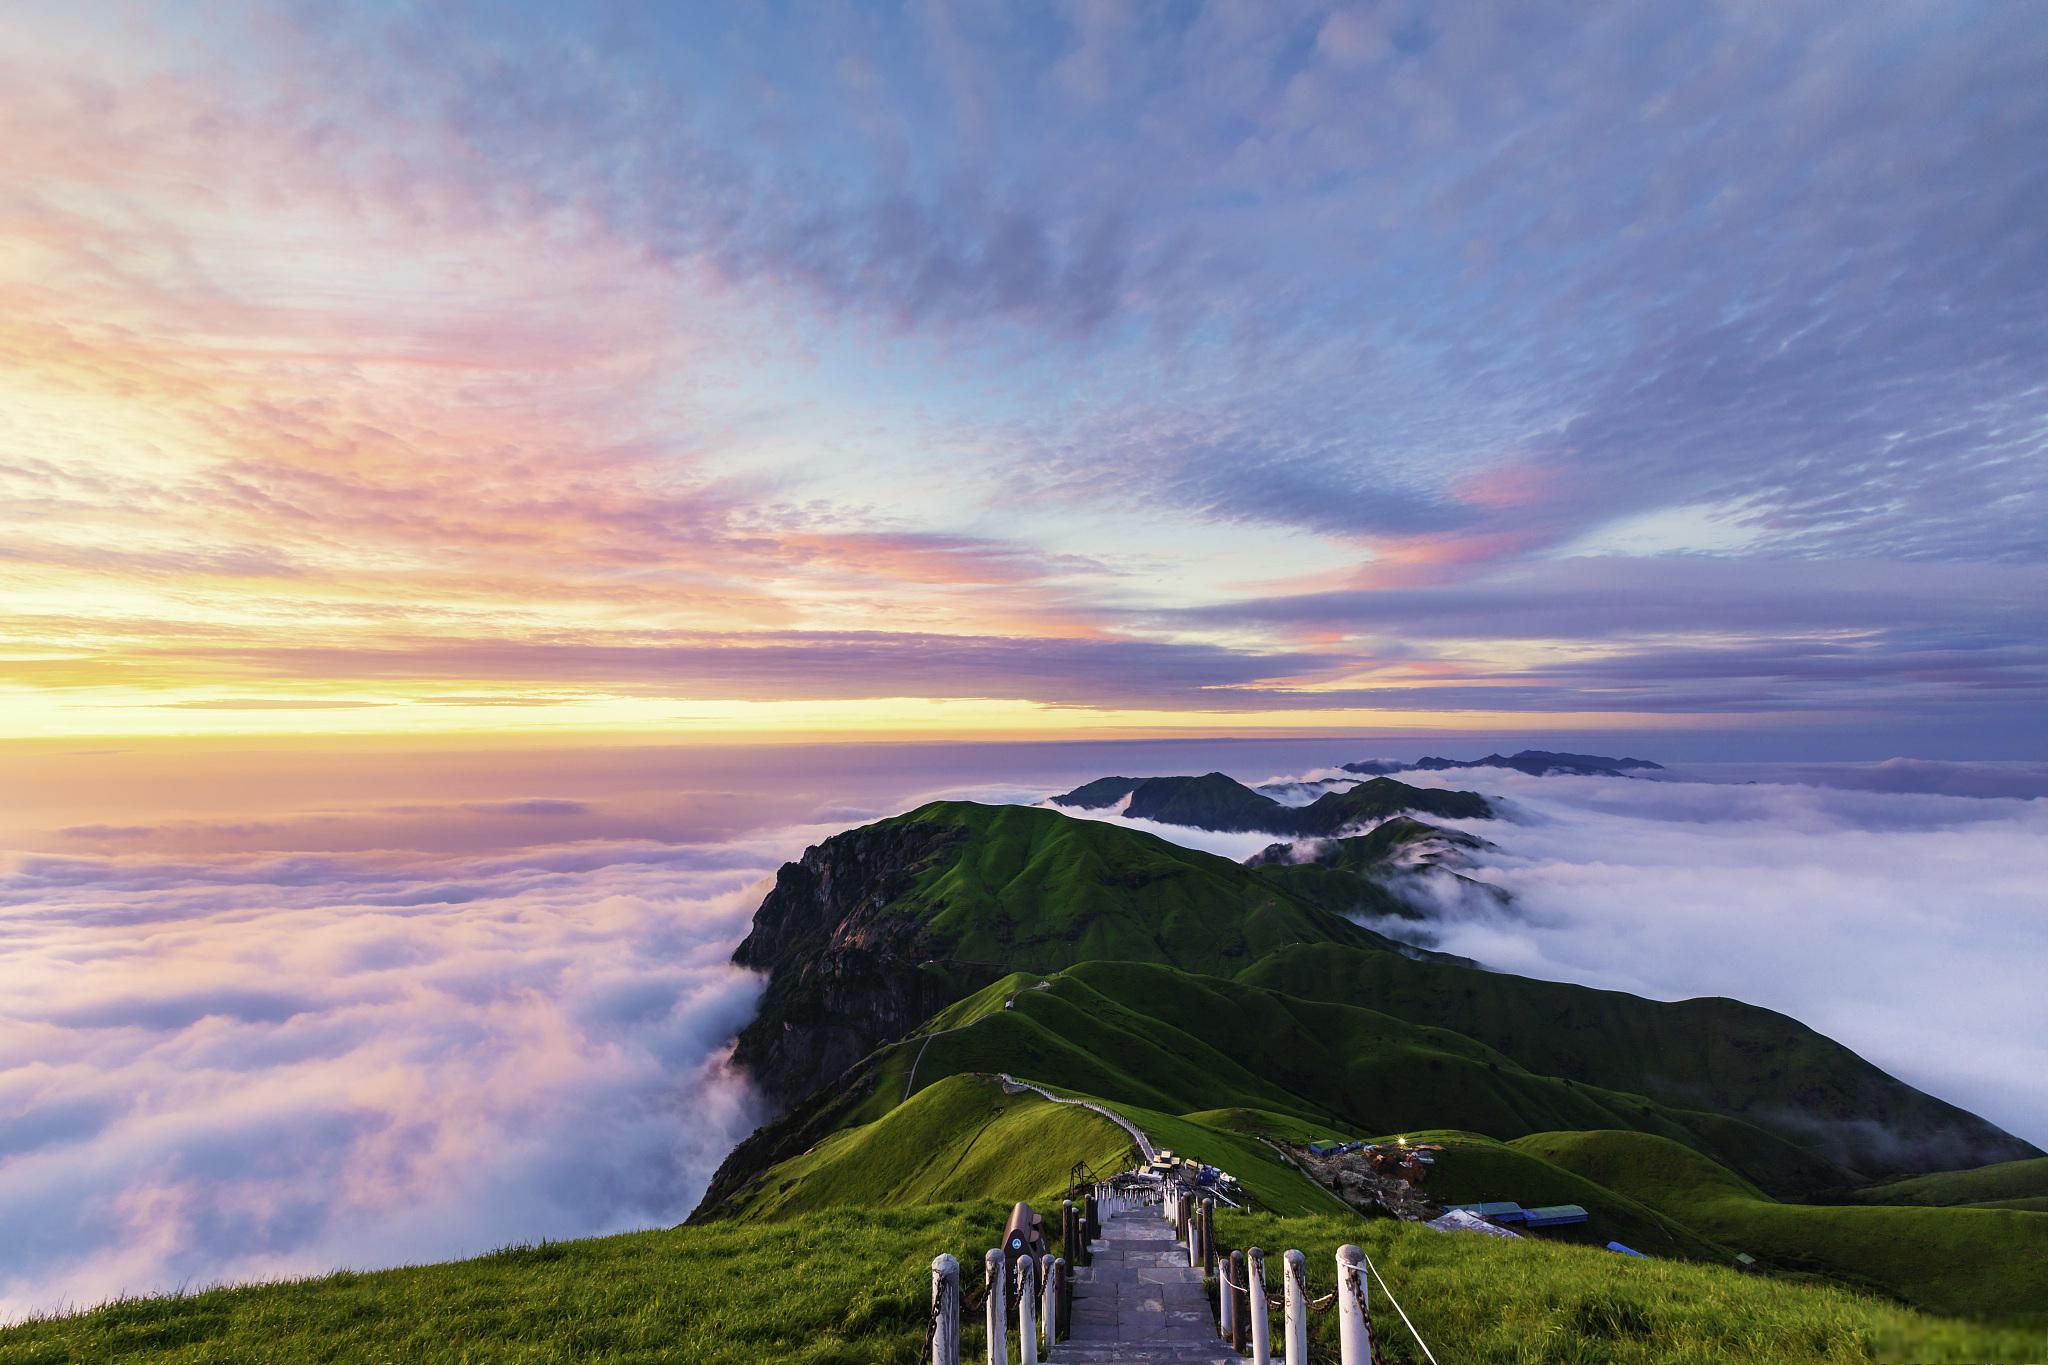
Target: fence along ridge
x,y
1043,1287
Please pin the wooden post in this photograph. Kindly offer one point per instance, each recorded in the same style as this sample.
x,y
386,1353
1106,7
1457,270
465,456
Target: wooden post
x,y
945,1310
995,1311
1195,1241
1182,1216
1255,1290
1091,1225
1027,1312
1295,1325
1226,1302
1241,1307
1066,1300
1209,1234
1354,1315
1049,1314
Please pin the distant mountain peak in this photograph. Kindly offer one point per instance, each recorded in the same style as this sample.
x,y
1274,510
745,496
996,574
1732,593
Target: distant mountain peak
x,y
1535,762
1222,804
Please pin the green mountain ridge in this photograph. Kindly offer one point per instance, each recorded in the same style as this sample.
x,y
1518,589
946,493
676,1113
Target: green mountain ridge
x,y
877,928
1229,1012
1220,803
1360,876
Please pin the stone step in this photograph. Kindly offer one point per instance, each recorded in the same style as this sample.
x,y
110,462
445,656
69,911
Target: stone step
x,y
1133,1353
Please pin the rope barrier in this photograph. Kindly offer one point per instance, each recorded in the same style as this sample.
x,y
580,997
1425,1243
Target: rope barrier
x,y
1398,1309
1322,1305
973,1300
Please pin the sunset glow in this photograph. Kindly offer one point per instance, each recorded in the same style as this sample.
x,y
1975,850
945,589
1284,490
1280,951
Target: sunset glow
x,y
393,370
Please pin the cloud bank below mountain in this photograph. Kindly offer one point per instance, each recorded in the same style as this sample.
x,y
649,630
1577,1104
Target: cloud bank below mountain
x,y
249,1066
1908,924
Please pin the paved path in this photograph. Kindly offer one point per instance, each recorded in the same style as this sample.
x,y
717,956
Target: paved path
x,y
1140,1301
1145,1147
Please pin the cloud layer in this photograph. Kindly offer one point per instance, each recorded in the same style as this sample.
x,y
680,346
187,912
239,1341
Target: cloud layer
x,y
1896,906
278,1010
1904,922
244,1066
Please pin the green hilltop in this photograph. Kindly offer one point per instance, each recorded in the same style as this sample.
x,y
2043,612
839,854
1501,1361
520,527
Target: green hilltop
x,y
1228,1011
2003,1185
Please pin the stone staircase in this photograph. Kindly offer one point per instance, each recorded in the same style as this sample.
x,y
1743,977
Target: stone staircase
x,y
1140,1301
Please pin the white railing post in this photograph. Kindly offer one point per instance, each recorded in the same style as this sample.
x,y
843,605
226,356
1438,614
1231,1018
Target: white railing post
x,y
945,1310
993,1312
1354,1315
1294,1268
1027,1312
1262,1325
1049,1311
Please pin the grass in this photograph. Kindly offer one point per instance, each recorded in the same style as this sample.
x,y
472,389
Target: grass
x,y
1966,1261
1174,1042
1035,890
1473,1169
1715,1055
962,1138
1029,889
841,1287
1480,1298
848,1286
2008,1184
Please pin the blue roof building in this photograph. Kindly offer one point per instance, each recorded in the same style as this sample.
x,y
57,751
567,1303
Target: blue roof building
x,y
1500,1210
1555,1216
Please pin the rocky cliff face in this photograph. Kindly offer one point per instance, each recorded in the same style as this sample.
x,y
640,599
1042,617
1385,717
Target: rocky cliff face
x,y
843,969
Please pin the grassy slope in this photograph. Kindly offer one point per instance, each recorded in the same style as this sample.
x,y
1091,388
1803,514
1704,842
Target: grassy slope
x,y
1140,1034
2007,1184
1952,1260
962,1138
720,1295
1519,1303
1345,873
1341,889
1472,1169
1381,797
1031,888
1211,801
1037,890
1712,1054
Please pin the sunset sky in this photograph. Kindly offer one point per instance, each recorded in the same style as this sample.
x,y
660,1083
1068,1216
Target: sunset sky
x,y
1035,369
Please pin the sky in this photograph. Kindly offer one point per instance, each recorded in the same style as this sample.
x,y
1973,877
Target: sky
x,y
981,369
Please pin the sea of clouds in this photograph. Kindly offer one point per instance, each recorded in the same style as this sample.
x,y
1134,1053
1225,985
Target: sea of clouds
x,y
247,1066
277,1012
1899,907
1910,925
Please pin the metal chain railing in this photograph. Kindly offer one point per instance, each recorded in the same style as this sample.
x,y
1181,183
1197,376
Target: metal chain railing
x,y
1327,1301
